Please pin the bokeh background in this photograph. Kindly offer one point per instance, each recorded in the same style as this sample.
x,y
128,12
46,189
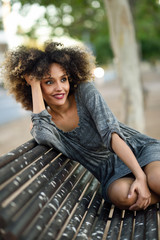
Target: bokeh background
x,y
32,23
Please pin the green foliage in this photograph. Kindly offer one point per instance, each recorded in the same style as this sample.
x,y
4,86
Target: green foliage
x,y
87,21
146,16
84,20
1,24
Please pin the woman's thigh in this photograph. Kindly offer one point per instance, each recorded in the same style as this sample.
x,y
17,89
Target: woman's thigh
x,y
152,171
118,192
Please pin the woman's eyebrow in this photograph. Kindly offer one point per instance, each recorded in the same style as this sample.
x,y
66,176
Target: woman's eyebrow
x,y
64,75
45,78
50,77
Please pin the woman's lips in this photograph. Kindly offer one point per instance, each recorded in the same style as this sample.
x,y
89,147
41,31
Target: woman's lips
x,y
59,96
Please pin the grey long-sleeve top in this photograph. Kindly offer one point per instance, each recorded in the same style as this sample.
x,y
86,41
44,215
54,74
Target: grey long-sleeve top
x,y
90,142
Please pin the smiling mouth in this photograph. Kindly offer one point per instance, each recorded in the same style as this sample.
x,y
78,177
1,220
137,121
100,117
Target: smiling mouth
x,y
59,96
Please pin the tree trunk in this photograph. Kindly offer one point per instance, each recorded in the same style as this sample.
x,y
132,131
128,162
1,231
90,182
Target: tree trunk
x,y
125,50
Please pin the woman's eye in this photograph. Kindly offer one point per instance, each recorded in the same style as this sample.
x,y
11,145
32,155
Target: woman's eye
x,y
49,82
64,79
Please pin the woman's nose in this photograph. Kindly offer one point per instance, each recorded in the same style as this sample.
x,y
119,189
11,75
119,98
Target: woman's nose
x,y
58,86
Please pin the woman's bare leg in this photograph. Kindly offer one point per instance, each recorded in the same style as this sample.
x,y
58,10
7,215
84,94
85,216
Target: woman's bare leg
x,y
152,171
118,193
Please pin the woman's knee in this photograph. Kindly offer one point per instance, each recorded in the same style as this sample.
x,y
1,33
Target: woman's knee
x,y
152,171
118,193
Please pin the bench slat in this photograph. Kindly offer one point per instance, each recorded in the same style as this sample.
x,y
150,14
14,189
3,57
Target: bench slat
x,y
85,229
12,155
53,205
20,163
128,225
66,210
114,228
26,175
139,232
8,212
79,213
151,223
100,225
21,222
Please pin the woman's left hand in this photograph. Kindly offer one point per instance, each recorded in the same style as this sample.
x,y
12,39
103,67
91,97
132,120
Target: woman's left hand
x,y
144,196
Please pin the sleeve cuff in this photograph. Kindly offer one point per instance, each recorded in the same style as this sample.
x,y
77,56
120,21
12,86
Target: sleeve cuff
x,y
42,115
109,138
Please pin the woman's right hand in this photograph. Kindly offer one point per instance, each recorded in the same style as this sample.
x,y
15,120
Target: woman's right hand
x,y
31,80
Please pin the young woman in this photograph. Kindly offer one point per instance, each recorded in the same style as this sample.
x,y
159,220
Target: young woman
x,y
71,115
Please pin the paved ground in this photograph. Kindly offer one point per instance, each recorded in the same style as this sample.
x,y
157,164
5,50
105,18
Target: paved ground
x,y
17,132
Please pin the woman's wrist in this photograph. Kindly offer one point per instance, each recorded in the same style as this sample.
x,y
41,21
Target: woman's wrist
x,y
141,176
35,83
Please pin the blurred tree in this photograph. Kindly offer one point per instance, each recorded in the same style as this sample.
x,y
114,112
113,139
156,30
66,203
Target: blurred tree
x,y
125,50
86,20
3,41
146,16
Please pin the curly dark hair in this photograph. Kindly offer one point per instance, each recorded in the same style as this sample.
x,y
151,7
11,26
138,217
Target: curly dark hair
x,y
77,61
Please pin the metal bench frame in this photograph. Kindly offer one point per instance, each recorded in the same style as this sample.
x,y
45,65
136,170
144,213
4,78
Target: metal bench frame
x,y
44,195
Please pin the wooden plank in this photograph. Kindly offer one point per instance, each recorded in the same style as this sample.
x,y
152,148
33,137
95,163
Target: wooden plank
x,y
38,226
12,155
139,232
66,210
77,218
128,225
100,225
18,225
23,198
91,216
151,223
115,225
26,174
20,163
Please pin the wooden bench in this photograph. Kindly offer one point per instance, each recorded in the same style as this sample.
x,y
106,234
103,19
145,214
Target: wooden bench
x,y
44,195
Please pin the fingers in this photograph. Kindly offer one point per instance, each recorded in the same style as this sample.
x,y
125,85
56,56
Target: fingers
x,y
131,191
143,195
28,78
147,203
31,80
140,204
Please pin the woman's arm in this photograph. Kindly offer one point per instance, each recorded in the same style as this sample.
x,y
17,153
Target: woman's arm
x,y
37,97
41,129
140,184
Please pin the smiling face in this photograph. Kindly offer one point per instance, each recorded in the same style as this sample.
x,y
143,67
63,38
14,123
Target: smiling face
x,y
55,87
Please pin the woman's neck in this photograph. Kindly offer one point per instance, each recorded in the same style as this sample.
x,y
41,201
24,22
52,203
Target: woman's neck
x,y
60,111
